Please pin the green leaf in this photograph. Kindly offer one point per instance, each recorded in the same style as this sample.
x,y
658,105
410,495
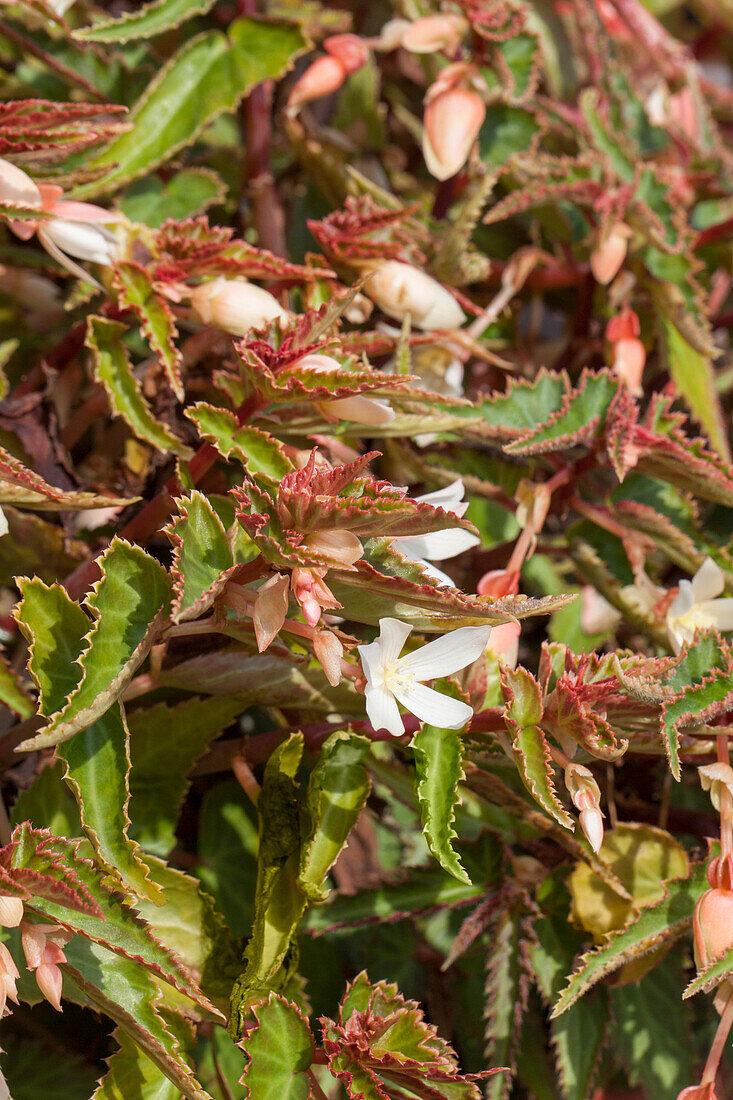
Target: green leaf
x,y
439,765
149,20
227,848
338,788
158,324
132,1073
702,680
202,557
280,1049
209,74
48,804
694,376
127,606
12,692
165,743
98,769
580,420
505,131
577,1039
54,627
506,993
531,750
661,923
261,454
192,191
113,370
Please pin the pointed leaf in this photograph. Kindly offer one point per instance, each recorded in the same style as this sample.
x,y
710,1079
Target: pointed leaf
x,y
149,20
280,1049
157,322
132,1073
439,766
54,627
261,454
202,557
694,376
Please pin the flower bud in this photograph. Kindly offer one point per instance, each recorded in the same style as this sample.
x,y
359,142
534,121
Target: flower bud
x,y
498,582
357,408
50,982
712,926
629,363
342,547
504,643
270,609
235,305
400,289
712,778
329,651
16,186
9,975
607,257
435,32
324,76
699,1092
312,593
349,49
623,326
80,239
11,909
451,125
33,939
391,34
586,797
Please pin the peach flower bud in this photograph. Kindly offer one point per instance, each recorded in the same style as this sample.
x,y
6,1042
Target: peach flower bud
x,y
312,593
33,939
586,797
699,1092
357,408
498,582
235,305
391,35
80,239
400,289
16,186
435,32
270,609
349,49
504,643
9,975
50,982
329,651
451,125
629,363
623,326
11,910
606,259
712,926
342,547
325,75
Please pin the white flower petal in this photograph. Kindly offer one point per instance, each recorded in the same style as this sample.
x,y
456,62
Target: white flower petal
x,y
448,654
450,497
708,582
432,571
82,240
437,545
371,663
3,523
392,636
382,710
430,706
721,611
682,603
362,410
65,261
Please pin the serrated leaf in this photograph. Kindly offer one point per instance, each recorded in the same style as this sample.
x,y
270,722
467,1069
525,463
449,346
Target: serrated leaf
x,y
165,742
202,557
190,192
577,1040
506,993
22,486
280,1049
228,844
132,1074
54,627
138,293
208,75
261,454
97,771
580,419
337,790
127,606
12,692
151,19
664,922
439,766
113,370
522,714
506,130
694,376
702,681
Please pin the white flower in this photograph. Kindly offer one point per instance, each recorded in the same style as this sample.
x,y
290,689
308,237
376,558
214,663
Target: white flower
x,y
439,545
695,607
391,679
357,408
65,237
3,524
235,305
400,289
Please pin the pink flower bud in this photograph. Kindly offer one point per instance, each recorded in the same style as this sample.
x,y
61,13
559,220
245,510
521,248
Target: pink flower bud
x,y
324,76
9,975
497,583
329,651
451,125
50,982
400,289
712,926
591,822
586,797
270,609
359,410
235,305
629,363
435,32
312,593
33,939
343,547
699,1092
11,910
349,49
16,186
504,643
606,259
623,326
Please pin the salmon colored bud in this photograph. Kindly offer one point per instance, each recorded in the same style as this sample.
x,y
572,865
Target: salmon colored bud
x,y
329,651
342,547
504,643
391,34
699,1092
349,49
451,125
400,289
16,186
606,259
623,326
33,939
498,583
50,982
629,363
11,911
312,593
270,609
324,76
235,305
586,796
591,822
712,926
435,32
359,410
9,975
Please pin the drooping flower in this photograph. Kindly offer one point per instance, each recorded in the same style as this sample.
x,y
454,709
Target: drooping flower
x,y
586,797
608,256
43,946
11,911
399,289
629,352
345,54
391,679
439,545
435,32
357,408
697,608
235,305
454,114
9,975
